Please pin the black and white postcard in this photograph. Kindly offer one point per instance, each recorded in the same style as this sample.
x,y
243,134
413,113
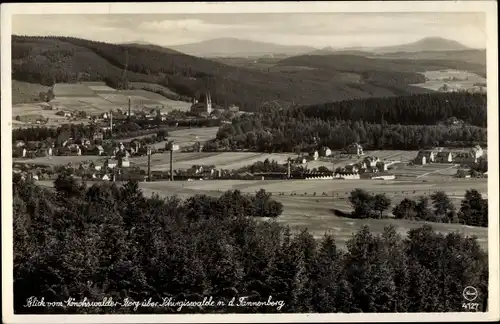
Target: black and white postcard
x,y
250,162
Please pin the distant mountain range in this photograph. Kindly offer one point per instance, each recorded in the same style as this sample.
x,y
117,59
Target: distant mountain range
x,y
429,44
234,47
299,79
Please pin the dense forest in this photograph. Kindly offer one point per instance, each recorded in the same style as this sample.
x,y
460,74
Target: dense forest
x,y
423,109
361,64
47,60
275,129
109,241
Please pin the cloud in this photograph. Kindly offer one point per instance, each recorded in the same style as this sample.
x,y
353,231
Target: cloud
x,y
313,29
187,25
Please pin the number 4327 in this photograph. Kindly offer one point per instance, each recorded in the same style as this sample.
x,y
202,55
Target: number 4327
x,y
471,307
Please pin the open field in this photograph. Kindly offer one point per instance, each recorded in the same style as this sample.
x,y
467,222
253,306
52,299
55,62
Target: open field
x,y
59,160
224,160
152,86
25,92
236,160
315,213
453,79
92,97
189,136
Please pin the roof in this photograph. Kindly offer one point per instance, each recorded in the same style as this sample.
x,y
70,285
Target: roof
x,y
462,154
425,154
443,154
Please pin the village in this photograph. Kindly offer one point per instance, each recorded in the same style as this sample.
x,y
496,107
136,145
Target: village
x,y
114,160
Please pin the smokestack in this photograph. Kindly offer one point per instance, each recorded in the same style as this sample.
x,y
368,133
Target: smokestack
x,y
172,163
129,108
111,122
149,164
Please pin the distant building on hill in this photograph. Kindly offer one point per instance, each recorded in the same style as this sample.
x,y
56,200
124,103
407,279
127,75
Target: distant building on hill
x,y
325,151
233,108
444,157
425,156
477,152
354,148
204,107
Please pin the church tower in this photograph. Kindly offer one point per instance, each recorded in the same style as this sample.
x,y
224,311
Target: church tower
x,y
208,103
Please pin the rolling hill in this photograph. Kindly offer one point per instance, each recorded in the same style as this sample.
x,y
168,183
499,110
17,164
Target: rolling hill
x,y
405,67
428,44
44,60
424,45
234,47
473,56
431,48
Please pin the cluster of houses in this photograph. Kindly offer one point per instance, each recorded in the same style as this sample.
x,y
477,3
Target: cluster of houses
x,y
369,165
314,155
148,114
440,155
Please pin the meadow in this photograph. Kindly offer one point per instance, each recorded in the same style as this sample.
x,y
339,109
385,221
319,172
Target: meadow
x,y
316,212
60,160
435,80
92,97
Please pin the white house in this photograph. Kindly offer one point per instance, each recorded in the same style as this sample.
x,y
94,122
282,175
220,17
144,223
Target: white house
x,y
112,163
124,162
105,177
351,168
354,148
476,152
371,161
424,157
381,166
444,157
99,149
347,176
20,144
325,151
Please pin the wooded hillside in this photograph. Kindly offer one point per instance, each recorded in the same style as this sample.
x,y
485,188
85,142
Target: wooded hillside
x,y
63,59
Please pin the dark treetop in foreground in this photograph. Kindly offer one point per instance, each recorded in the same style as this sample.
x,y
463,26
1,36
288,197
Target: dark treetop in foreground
x,y
109,241
436,208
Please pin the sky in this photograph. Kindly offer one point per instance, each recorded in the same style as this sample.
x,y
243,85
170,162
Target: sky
x,y
311,29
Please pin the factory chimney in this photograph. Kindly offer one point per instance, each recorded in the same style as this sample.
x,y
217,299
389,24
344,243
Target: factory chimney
x,y
111,122
129,104
149,164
